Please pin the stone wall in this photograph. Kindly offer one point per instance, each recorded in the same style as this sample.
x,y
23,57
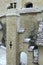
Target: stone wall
x,y
28,22
15,41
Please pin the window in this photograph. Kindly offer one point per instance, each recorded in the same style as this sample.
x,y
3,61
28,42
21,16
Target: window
x,y
29,5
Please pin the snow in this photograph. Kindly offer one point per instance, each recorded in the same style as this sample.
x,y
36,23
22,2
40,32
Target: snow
x,y
39,40
26,40
23,58
2,55
21,30
31,48
29,10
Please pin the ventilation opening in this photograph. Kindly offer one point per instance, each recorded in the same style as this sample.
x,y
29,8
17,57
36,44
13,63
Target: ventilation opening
x,y
14,4
11,6
29,5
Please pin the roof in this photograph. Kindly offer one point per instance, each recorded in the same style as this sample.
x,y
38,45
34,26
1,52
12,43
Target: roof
x,y
17,12
2,15
10,12
30,10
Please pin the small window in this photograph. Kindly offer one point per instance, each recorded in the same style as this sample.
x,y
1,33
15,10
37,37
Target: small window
x,y
29,5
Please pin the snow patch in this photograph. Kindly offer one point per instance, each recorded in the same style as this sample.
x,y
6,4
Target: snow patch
x,y
2,55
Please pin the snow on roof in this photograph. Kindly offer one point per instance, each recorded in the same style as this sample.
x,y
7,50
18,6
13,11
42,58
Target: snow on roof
x,y
29,10
21,11
31,48
2,14
26,40
12,12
